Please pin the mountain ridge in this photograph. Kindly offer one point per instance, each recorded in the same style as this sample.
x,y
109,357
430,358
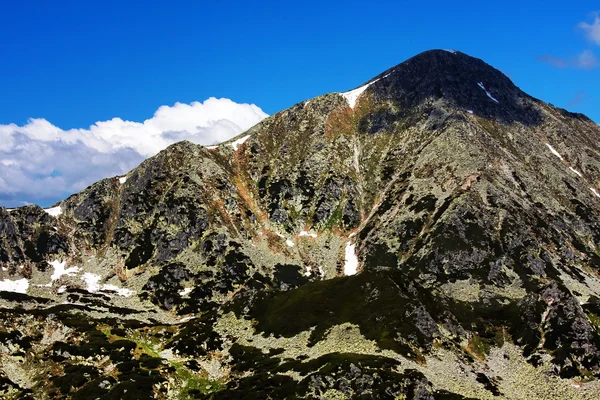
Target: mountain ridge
x,y
434,237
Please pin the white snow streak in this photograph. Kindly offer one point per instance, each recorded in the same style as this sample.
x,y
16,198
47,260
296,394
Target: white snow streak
x,y
305,233
59,270
350,259
486,92
92,286
235,144
18,286
54,211
123,179
556,153
595,192
353,95
577,172
450,51
185,291
120,291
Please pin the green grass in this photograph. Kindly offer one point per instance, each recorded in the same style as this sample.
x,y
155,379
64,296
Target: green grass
x,y
191,383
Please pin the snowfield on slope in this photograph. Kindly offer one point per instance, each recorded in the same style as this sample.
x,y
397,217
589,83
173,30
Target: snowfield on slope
x,y
18,286
353,95
237,143
60,270
350,259
54,211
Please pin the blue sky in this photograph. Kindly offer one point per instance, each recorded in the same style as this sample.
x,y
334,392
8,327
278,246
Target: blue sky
x,y
73,63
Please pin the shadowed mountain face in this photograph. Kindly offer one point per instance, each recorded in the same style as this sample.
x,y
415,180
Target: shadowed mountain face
x,y
432,234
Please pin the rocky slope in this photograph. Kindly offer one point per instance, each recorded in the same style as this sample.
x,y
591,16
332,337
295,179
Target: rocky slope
x,y
432,234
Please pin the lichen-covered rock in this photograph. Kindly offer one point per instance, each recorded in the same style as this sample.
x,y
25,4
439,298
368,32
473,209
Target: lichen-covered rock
x,y
434,238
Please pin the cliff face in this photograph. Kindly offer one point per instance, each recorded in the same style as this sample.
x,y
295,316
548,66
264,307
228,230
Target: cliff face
x,y
431,234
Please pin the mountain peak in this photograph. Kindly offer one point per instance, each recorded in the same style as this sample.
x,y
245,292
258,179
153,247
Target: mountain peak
x,y
461,80
349,236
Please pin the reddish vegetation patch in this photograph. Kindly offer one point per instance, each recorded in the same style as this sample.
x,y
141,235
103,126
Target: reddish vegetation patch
x,y
337,122
469,181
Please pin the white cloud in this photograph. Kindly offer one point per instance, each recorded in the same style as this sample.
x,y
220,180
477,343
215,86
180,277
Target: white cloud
x,y
586,60
592,31
41,163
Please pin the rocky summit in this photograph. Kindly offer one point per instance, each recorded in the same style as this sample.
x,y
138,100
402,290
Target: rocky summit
x,y
432,234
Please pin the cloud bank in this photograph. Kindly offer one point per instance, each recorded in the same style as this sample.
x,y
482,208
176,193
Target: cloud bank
x,y
42,163
592,31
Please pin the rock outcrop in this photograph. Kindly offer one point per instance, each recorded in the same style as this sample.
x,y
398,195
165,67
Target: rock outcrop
x,y
472,209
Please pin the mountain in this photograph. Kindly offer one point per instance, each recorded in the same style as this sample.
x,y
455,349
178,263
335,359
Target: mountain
x,y
432,234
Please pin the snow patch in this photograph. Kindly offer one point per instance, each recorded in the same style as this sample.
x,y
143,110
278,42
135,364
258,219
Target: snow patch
x,y
556,153
305,233
92,281
470,111
123,179
350,259
59,270
120,291
61,289
185,291
18,286
480,84
54,211
450,51
289,243
235,144
211,147
308,271
595,192
577,172
353,95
